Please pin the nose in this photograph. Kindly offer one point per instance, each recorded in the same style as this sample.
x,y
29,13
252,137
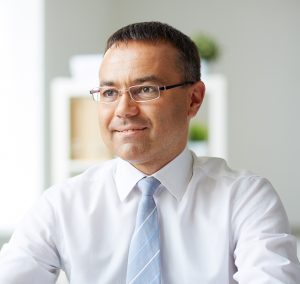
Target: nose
x,y
126,107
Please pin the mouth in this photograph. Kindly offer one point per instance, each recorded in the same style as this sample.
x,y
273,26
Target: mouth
x,y
130,132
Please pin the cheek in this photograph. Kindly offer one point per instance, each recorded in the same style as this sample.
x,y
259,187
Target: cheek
x,y
171,122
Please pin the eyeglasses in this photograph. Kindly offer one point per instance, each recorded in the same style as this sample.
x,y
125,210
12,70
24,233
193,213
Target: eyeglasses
x,y
139,93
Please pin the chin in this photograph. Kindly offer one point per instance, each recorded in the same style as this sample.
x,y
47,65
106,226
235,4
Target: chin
x,y
131,153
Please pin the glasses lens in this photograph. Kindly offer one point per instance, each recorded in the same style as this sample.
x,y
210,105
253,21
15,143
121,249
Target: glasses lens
x,y
144,92
108,95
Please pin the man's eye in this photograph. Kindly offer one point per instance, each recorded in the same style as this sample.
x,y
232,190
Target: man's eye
x,y
108,93
147,89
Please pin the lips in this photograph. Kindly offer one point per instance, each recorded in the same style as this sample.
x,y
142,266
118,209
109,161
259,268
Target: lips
x,y
128,126
129,130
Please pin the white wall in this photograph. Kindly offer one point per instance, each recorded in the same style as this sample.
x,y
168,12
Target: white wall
x,y
260,42
21,97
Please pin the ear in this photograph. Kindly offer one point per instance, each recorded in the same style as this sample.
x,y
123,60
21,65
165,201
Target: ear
x,y
197,92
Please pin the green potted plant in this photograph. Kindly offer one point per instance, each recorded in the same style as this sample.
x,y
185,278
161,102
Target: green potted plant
x,y
198,136
208,50
198,132
207,47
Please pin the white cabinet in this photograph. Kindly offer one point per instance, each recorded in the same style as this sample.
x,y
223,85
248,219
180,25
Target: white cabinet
x,y
216,100
75,140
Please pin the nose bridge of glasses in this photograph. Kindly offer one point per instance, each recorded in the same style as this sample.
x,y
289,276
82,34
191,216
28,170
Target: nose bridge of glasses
x,y
126,91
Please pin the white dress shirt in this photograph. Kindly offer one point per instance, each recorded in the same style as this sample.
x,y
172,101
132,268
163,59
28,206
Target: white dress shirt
x,y
218,226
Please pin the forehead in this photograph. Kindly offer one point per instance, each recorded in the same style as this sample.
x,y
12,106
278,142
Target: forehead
x,y
130,61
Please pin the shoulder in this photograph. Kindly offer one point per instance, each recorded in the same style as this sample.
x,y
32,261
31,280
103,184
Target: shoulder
x,y
89,182
218,170
240,185
249,196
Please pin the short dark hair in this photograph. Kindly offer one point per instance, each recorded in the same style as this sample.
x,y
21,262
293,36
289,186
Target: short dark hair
x,y
154,32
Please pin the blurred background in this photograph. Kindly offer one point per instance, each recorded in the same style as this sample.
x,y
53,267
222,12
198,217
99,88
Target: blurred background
x,y
258,63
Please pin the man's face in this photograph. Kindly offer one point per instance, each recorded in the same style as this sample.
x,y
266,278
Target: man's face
x,y
147,134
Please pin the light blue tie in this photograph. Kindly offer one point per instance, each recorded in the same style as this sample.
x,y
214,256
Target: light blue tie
x,y
144,253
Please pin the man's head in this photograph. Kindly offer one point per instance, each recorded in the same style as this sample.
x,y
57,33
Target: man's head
x,y
148,134
187,61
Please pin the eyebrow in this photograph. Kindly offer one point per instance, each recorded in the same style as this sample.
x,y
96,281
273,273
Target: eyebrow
x,y
106,83
140,80
151,78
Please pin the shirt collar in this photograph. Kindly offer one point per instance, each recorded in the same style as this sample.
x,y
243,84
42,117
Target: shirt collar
x,y
175,176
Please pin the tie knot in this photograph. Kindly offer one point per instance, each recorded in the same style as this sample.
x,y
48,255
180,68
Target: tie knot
x,y
148,185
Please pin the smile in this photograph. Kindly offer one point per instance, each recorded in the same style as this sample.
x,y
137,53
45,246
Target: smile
x,y
133,130
130,133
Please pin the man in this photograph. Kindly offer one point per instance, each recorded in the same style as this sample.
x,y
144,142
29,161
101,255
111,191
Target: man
x,y
157,213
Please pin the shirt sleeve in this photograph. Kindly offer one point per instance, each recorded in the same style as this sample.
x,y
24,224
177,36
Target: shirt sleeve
x,y
265,252
31,256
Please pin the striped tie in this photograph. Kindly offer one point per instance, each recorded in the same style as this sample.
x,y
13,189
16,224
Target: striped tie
x,y
144,253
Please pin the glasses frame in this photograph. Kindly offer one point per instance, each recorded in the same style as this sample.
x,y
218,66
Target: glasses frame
x,y
94,91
